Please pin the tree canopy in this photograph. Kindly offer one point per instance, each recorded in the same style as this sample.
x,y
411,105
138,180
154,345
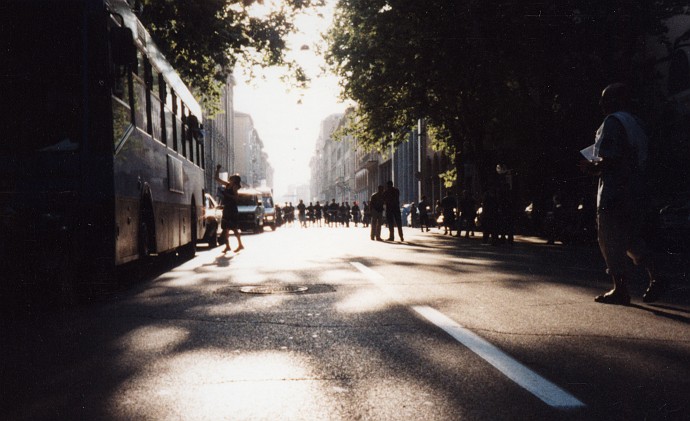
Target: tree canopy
x,y
204,40
521,75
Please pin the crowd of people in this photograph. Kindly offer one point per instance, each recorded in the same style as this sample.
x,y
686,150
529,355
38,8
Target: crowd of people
x,y
319,215
493,214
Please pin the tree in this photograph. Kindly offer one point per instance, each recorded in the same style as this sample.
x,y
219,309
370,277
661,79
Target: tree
x,y
204,40
492,78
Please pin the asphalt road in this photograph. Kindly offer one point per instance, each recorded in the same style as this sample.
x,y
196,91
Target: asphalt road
x,y
324,324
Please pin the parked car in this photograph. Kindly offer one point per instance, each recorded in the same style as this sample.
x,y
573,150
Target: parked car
x,y
213,213
269,209
251,210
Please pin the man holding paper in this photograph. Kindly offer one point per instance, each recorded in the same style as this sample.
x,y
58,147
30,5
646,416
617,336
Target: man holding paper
x,y
618,156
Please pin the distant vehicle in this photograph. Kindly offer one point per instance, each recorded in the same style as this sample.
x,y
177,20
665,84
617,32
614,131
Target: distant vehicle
x,y
213,213
269,209
251,210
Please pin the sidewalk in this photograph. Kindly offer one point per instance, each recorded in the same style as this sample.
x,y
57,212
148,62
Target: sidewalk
x,y
587,265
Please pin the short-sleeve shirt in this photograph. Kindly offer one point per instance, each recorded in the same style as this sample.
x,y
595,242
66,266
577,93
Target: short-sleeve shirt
x,y
620,185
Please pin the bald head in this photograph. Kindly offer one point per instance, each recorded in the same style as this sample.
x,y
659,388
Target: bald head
x,y
615,97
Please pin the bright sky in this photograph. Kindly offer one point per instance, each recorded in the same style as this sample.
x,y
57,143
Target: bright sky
x,y
288,128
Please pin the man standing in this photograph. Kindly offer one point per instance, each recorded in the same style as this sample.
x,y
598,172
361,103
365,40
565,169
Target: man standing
x,y
448,204
423,208
619,158
376,208
392,199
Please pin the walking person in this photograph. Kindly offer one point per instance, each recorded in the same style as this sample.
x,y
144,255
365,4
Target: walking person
x,y
317,213
302,214
414,216
366,219
391,197
448,205
438,214
376,209
468,212
356,213
230,216
619,159
423,208
489,218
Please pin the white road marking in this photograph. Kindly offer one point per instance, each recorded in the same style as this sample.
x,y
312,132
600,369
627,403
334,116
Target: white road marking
x,y
543,389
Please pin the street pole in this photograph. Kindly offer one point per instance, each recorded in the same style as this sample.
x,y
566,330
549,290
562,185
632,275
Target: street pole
x,y
420,134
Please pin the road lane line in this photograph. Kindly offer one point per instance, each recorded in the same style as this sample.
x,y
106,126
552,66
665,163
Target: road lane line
x,y
543,389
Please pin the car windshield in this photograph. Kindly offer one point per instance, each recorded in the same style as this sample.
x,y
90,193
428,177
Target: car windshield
x,y
246,200
268,202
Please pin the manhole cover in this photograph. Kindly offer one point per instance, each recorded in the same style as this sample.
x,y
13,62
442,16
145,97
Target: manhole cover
x,y
273,289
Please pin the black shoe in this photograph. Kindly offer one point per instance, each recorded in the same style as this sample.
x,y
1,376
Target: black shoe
x,y
654,291
614,297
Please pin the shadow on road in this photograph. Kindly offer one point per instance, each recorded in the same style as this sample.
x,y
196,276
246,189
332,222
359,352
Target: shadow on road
x,y
84,362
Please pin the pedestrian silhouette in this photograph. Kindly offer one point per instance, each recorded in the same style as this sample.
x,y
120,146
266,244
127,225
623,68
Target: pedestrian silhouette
x,y
376,207
619,159
391,197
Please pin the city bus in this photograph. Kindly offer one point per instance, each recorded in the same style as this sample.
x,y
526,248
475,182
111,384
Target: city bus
x,y
101,151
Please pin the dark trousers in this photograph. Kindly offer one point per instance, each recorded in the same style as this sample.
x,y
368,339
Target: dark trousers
x,y
394,218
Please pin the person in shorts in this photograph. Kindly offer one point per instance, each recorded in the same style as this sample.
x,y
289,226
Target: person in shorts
x,y
620,156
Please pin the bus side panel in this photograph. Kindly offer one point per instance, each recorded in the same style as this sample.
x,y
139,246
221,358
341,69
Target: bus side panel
x,y
142,173
166,227
127,229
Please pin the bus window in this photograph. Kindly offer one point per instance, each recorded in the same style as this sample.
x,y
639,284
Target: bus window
x,y
148,83
165,117
156,106
139,91
173,120
200,154
121,99
188,139
185,131
122,112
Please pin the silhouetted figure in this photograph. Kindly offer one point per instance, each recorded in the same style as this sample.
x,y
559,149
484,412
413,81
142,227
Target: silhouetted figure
x,y
376,205
230,218
333,209
318,213
424,209
506,216
448,205
302,213
391,197
366,214
356,213
620,157
489,217
468,213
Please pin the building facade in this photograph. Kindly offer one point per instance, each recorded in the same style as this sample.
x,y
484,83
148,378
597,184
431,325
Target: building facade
x,y
249,159
219,137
